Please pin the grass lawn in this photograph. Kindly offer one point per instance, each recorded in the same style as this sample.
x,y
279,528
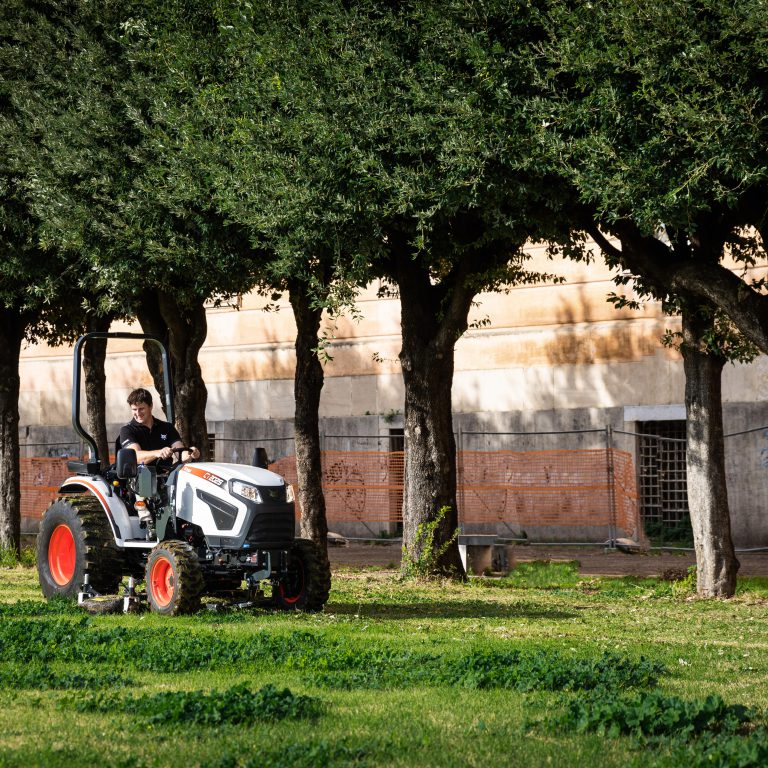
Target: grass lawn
x,y
541,668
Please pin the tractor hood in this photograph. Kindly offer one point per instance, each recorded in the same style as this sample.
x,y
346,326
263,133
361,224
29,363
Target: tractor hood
x,y
219,474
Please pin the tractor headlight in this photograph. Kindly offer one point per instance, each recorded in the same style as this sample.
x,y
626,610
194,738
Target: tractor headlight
x,y
289,494
246,490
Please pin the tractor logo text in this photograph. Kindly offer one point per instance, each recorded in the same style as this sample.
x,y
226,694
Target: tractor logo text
x,y
210,477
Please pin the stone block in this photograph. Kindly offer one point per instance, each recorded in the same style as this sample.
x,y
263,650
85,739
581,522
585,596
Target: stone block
x,y
476,552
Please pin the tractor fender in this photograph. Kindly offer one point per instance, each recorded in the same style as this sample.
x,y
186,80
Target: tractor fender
x,y
114,508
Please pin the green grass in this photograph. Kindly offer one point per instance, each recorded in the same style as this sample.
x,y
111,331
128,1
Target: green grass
x,y
539,668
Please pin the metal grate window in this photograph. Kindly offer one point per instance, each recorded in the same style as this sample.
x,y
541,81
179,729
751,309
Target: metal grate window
x,y
397,476
662,474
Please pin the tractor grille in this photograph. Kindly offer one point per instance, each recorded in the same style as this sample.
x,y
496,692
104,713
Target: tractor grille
x,y
273,494
272,525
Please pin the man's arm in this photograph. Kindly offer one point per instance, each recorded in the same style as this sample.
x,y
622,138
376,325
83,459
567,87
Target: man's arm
x,y
147,457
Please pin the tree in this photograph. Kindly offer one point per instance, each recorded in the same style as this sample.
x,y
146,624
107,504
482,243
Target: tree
x,y
104,186
422,122
703,360
664,141
657,113
707,342
361,140
208,86
40,293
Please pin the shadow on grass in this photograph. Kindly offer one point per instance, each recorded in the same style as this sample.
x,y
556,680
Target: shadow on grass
x,y
455,610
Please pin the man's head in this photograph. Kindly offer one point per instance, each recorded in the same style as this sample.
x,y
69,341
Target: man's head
x,y
140,401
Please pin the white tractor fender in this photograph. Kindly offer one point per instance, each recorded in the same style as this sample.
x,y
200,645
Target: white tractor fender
x,y
114,508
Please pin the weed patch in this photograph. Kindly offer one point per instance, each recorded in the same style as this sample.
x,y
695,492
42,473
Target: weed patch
x,y
696,732
485,669
165,649
653,714
317,755
551,671
9,558
341,664
236,705
718,751
421,563
42,678
56,606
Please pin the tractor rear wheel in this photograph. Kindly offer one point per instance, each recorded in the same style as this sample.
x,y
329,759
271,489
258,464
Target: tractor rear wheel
x,y
307,584
174,579
76,538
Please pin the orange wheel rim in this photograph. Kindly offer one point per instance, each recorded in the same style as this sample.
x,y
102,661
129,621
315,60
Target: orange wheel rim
x,y
291,593
61,555
162,581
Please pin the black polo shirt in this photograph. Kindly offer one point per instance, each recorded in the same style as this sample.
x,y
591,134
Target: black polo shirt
x,y
162,435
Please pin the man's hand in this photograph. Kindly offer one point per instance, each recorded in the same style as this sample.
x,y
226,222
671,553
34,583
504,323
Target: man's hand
x,y
187,454
164,453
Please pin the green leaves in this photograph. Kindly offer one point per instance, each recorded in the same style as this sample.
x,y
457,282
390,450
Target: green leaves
x,y
237,705
653,714
657,110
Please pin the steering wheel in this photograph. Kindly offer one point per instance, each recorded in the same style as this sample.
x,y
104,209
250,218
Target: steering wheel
x,y
180,450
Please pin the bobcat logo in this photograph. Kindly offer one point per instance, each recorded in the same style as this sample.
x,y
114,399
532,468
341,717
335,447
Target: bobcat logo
x,y
163,437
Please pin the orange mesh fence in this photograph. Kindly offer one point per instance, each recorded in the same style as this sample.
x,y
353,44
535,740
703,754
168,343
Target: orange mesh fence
x,y
626,500
359,487
40,480
562,488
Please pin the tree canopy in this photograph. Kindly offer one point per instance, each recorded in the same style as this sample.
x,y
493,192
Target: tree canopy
x,y
657,113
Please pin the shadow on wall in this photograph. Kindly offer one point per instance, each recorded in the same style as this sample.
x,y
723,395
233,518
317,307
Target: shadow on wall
x,y
571,360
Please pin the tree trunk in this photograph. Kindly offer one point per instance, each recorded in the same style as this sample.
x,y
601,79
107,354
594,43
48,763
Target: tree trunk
x,y
94,355
184,329
716,563
153,324
432,320
11,335
308,385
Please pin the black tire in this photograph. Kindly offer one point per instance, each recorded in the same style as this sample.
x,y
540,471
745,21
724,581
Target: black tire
x,y
75,537
174,579
307,584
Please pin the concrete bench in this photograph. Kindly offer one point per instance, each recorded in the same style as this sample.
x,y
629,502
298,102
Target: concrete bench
x,y
480,553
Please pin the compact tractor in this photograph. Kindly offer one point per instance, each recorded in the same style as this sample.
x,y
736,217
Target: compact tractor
x,y
192,530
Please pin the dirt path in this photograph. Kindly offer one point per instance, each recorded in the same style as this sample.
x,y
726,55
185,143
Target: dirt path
x,y
593,561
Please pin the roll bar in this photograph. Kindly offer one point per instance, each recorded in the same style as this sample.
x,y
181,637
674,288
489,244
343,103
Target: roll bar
x,y
76,383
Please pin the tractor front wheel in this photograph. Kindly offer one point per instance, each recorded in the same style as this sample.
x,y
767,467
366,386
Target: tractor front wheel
x,y
307,584
174,579
76,538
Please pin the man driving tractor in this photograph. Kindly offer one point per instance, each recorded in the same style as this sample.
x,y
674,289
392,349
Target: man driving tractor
x,y
152,439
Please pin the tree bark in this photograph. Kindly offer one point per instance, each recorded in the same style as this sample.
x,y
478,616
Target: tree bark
x,y
716,563
308,386
184,329
433,317
94,355
12,330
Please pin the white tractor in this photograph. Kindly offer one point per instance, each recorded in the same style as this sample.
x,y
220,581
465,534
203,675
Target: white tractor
x,y
199,529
